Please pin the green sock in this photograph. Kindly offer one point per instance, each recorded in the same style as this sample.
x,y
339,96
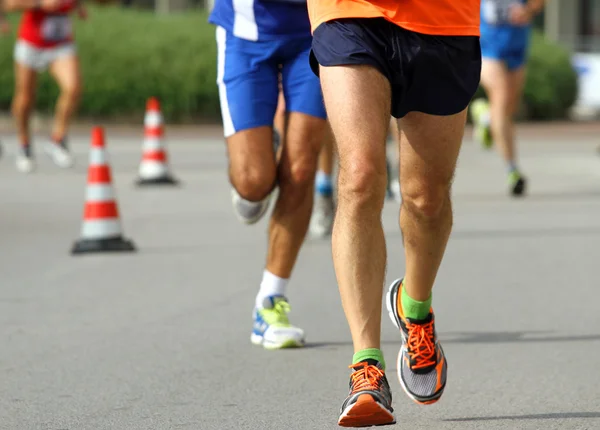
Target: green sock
x,y
369,353
414,309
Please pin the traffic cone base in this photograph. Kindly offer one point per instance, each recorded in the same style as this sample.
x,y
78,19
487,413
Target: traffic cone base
x,y
113,244
163,180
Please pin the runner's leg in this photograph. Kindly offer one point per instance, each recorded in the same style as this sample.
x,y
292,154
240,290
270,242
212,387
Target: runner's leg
x,y
22,105
65,70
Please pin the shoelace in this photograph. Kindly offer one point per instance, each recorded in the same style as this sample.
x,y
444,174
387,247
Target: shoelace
x,y
277,314
365,377
421,347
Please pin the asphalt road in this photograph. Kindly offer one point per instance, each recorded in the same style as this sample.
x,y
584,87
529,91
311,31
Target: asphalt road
x,y
159,339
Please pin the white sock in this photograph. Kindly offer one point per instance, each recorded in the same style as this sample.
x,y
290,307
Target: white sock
x,y
271,285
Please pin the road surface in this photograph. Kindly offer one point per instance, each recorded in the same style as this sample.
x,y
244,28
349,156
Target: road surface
x,y
159,339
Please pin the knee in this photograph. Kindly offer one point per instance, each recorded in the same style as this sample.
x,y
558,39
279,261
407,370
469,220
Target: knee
x,y
362,183
72,92
425,199
253,183
297,181
301,173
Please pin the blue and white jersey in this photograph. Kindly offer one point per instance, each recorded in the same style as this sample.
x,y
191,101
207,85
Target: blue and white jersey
x,y
496,12
262,19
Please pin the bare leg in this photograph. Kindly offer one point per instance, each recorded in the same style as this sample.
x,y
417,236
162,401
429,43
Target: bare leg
x,y
66,72
495,80
252,166
287,229
22,104
359,117
23,100
429,148
428,152
296,173
516,84
504,89
321,222
327,153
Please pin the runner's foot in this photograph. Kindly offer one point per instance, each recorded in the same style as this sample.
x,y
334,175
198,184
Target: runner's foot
x,y
422,366
370,400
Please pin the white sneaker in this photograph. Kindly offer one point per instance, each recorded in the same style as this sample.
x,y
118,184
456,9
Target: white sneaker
x,y
249,212
271,327
59,153
25,162
321,221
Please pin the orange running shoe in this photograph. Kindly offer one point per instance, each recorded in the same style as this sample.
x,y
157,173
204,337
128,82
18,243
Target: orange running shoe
x,y
422,366
370,400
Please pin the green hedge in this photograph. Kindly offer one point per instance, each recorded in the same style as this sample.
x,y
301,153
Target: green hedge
x,y
130,55
551,84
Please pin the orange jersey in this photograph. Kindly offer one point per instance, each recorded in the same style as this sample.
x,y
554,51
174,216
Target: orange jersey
x,y
435,17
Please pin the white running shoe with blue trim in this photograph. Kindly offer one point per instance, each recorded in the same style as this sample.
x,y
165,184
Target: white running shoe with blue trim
x,y
272,328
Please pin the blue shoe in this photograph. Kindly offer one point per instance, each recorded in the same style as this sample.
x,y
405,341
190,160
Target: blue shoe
x,y
272,329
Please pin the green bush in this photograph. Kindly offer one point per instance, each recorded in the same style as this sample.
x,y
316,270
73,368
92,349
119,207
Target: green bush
x,y
130,55
551,84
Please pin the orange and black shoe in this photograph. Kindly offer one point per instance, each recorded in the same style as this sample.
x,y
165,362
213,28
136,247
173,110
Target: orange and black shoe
x,y
422,366
370,400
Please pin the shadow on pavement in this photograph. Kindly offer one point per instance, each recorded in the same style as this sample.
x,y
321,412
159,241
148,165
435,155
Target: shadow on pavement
x,y
550,416
513,337
485,337
533,196
565,231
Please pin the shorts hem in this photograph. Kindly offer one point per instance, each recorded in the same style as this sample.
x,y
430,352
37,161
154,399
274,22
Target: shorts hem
x,y
319,115
433,112
510,65
365,61
40,58
247,126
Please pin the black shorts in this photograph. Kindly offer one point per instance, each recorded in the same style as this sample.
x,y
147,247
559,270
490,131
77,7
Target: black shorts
x,y
437,75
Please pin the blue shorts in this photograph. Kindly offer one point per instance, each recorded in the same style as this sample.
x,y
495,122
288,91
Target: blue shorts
x,y
248,80
507,44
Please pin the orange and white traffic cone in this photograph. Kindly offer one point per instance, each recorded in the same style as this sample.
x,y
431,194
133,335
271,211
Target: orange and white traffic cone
x,y
154,169
101,229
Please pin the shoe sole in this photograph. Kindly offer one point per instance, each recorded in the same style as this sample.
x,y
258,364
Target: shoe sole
x,y
249,221
63,165
389,302
25,170
288,344
29,168
366,412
